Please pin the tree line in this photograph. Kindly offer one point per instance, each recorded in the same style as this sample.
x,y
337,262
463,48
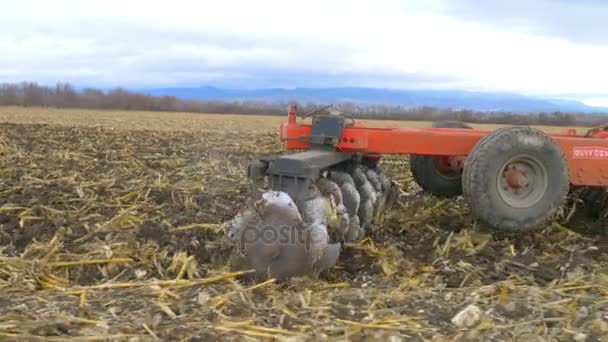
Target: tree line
x,y
64,95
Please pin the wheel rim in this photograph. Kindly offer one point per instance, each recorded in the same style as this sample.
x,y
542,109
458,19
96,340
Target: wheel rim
x,y
522,181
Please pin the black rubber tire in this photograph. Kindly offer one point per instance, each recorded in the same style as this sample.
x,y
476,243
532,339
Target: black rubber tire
x,y
483,167
428,177
588,217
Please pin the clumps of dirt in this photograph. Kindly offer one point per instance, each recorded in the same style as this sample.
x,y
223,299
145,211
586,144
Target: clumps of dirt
x,y
116,235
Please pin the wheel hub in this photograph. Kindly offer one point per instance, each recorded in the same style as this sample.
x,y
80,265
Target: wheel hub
x,y
516,177
523,181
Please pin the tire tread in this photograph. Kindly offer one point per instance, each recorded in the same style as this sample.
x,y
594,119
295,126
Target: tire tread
x,y
475,180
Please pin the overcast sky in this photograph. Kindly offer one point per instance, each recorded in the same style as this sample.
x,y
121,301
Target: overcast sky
x,y
540,47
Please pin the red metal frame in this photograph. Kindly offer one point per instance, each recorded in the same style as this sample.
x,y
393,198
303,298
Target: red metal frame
x,y
587,156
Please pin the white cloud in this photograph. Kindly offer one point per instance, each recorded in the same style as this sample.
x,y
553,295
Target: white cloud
x,y
597,102
251,43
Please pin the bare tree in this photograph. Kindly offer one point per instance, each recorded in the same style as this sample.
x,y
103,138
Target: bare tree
x,y
64,95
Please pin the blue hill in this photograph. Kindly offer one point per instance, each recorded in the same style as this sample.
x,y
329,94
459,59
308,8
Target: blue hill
x,y
480,101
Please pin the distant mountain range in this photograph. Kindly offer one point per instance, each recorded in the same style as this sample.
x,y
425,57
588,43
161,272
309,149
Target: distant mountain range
x,y
454,99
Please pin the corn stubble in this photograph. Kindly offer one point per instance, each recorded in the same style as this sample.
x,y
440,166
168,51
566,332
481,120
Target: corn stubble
x,y
115,234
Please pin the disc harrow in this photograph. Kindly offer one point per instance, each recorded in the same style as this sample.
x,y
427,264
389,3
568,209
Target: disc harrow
x,y
586,210
332,191
280,238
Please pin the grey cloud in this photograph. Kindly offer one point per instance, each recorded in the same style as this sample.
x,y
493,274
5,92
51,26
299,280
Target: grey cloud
x,y
112,52
583,21
115,51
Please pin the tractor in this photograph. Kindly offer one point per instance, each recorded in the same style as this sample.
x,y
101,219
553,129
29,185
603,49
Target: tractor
x,y
329,189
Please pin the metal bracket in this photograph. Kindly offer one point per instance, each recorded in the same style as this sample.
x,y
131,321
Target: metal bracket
x,y
327,130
